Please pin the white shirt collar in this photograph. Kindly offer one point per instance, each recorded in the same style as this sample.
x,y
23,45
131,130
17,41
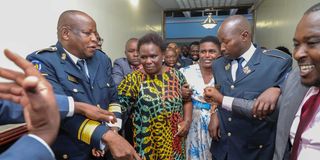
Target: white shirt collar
x,y
248,54
73,58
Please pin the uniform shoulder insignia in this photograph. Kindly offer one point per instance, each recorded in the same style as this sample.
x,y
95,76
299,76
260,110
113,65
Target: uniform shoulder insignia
x,y
274,53
49,49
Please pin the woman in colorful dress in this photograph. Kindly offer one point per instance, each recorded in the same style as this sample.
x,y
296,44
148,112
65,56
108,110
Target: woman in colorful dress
x,y
199,76
160,118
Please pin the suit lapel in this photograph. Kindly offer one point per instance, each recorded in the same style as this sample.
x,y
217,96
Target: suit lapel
x,y
293,98
227,69
251,66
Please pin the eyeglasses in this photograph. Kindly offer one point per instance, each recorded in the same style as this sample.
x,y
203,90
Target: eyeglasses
x,y
100,41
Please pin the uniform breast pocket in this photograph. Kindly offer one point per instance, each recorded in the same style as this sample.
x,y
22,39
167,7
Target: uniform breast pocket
x,y
105,84
106,90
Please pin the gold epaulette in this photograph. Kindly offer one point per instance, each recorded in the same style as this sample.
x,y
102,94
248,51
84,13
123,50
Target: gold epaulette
x,y
49,49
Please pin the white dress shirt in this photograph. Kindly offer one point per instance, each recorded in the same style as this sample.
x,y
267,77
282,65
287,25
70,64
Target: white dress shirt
x,y
75,60
227,101
310,139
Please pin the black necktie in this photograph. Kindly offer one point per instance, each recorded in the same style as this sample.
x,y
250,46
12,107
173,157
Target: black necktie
x,y
240,68
80,63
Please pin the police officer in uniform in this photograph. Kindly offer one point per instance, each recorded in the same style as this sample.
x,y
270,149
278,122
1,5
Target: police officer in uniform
x,y
245,71
75,67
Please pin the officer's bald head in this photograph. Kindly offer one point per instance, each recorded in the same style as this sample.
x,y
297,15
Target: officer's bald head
x,y
77,32
235,36
236,24
72,19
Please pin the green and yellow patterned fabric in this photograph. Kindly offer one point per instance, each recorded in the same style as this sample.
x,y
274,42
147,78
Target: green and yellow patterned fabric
x,y
157,109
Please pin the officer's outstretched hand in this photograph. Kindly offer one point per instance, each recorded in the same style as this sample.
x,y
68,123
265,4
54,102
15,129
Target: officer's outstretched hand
x,y
94,112
119,147
35,94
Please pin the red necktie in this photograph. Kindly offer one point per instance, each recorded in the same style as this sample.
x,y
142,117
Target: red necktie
x,y
308,111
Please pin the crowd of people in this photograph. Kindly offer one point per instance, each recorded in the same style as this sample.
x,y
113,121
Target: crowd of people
x,y
222,98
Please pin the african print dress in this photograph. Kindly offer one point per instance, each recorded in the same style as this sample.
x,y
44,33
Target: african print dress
x,y
198,141
157,109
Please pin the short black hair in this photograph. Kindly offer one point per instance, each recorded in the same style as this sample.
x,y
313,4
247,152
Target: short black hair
x,y
212,39
153,38
284,49
194,43
313,8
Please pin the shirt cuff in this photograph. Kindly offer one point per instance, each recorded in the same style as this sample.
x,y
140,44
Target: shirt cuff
x,y
42,142
71,107
117,124
227,103
102,145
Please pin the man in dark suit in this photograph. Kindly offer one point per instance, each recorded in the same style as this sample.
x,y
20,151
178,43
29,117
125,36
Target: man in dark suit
x,y
75,67
124,66
240,73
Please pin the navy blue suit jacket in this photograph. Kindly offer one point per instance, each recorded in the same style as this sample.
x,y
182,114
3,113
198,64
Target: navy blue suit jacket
x,y
13,113
244,138
27,148
77,132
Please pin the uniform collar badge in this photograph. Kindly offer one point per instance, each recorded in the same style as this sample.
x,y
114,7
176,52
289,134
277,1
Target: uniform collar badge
x,y
227,67
63,56
246,70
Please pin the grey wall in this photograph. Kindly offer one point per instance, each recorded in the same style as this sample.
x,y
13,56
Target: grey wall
x,y
276,21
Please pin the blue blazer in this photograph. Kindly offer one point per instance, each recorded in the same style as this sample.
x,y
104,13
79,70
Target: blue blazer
x,y
121,68
11,113
100,90
27,148
244,138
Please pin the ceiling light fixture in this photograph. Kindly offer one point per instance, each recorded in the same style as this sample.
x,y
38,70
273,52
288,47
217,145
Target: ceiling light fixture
x,y
209,23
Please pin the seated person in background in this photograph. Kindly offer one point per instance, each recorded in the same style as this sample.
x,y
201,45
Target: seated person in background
x,y
171,58
194,51
124,66
200,76
284,49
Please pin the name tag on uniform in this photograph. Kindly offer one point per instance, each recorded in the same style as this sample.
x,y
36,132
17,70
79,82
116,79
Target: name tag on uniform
x,y
72,79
